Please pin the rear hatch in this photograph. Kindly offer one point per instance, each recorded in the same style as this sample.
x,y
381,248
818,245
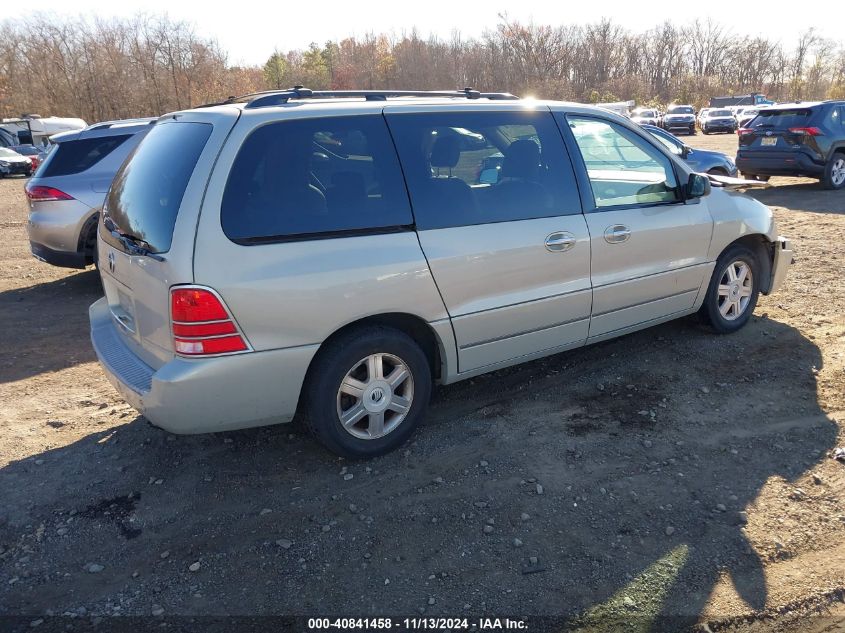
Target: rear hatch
x,y
781,132
148,225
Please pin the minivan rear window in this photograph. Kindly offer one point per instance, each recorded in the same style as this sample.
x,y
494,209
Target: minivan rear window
x,y
73,157
147,191
312,178
781,119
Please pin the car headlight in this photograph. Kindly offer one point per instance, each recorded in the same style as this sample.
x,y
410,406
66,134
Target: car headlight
x,y
3,163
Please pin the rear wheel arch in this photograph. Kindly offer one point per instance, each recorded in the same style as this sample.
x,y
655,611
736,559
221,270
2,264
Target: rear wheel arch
x,y
87,245
409,324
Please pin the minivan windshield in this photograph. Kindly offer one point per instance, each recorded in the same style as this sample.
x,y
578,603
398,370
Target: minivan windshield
x,y
146,193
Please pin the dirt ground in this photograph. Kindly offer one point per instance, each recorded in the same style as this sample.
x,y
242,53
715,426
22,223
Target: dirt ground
x,y
669,479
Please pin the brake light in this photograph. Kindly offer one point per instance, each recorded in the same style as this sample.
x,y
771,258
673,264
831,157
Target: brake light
x,y
42,193
202,325
809,131
744,130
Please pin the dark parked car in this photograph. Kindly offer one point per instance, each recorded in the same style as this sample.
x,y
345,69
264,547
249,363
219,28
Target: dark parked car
x,y
797,139
680,117
718,120
700,160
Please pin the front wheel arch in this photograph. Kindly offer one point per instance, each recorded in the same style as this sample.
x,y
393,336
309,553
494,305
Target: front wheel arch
x,y
763,249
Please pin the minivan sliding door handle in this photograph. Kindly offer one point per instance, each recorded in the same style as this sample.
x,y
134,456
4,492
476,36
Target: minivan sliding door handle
x,y
559,241
617,234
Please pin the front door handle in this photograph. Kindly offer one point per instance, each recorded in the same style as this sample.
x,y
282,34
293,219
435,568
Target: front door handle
x,y
617,234
559,241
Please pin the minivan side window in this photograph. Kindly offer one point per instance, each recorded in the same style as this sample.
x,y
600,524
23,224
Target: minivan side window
x,y
309,178
73,157
466,168
623,168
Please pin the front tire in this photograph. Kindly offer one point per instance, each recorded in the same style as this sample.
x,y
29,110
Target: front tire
x,y
367,392
834,172
733,291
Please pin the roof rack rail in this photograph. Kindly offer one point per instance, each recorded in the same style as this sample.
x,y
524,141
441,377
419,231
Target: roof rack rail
x,y
269,98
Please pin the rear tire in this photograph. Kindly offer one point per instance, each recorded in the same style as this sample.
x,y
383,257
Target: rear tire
x,y
716,171
733,291
353,406
756,177
834,172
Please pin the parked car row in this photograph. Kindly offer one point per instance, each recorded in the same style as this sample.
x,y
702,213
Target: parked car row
x,y
684,119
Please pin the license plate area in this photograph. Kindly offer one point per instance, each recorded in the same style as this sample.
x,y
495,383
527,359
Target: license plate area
x,y
769,141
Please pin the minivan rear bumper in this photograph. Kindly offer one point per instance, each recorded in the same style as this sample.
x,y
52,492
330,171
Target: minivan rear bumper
x,y
204,395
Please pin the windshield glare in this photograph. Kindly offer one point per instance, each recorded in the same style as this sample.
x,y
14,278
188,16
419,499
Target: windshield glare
x,y
7,153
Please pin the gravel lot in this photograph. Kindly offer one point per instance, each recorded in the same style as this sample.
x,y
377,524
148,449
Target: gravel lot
x,y
671,473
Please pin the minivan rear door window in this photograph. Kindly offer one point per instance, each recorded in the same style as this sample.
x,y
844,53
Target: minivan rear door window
x,y
144,198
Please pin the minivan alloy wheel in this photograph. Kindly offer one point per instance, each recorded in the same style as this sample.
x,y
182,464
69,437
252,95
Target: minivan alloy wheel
x,y
735,289
375,396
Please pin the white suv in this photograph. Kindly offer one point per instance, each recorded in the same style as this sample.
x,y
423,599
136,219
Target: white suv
x,y
335,254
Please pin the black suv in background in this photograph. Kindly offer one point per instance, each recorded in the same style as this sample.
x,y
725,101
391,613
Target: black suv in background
x,y
796,139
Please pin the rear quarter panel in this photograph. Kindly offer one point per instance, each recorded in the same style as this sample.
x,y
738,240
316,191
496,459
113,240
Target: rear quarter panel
x,y
300,292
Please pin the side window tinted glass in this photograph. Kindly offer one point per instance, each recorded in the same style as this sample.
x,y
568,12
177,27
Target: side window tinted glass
x,y
311,176
73,157
465,168
623,168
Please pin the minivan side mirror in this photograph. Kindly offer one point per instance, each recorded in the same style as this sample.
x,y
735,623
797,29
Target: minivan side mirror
x,y
698,186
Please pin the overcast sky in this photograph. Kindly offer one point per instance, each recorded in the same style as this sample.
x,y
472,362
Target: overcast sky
x,y
249,31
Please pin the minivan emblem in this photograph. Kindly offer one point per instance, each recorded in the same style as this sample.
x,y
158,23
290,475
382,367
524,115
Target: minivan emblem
x,y
111,262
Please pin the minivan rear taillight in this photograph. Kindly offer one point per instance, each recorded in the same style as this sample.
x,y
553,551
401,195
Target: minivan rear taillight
x,y
202,325
42,193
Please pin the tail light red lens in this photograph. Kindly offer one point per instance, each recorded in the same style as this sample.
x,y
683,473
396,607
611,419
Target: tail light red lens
x,y
190,305
202,325
809,131
40,192
744,130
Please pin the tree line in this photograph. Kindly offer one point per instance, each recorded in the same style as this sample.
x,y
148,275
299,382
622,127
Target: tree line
x,y
100,69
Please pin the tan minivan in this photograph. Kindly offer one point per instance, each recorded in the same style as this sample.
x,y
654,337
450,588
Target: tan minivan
x,y
334,254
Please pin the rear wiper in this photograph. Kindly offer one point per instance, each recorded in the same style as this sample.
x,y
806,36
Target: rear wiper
x,y
133,244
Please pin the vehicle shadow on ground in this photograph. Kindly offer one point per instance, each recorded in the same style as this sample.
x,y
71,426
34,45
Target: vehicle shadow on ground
x,y
44,318
560,487
805,196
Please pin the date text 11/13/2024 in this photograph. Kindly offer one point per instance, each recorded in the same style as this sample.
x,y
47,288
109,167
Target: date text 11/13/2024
x,y
414,624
